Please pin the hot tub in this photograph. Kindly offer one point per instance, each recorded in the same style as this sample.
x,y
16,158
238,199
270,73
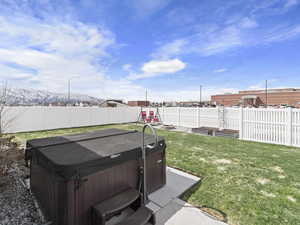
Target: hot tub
x,y
70,174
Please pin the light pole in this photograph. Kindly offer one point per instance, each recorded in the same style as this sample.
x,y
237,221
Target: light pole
x,y
200,95
69,88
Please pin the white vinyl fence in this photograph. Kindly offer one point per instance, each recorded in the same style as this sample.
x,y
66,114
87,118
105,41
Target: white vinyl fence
x,y
34,118
277,126
225,118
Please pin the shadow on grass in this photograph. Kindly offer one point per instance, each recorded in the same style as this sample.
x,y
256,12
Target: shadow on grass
x,y
212,212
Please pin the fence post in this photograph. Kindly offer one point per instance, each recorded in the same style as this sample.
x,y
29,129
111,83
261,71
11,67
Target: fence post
x,y
220,112
162,113
241,125
218,117
289,126
198,116
179,116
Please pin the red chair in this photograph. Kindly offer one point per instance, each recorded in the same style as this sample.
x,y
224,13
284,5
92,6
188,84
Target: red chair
x,y
148,120
155,119
144,115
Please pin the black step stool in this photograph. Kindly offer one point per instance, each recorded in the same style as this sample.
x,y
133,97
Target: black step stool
x,y
143,216
113,206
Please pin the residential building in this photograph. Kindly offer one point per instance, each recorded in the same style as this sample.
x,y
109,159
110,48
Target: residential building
x,y
138,103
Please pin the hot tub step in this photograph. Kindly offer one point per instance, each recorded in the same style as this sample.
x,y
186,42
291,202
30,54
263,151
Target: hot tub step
x,y
143,216
114,205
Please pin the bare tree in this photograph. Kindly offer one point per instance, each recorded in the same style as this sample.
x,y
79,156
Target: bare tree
x,y
3,102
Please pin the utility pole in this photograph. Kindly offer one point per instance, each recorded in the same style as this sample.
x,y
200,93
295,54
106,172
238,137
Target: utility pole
x,y
266,93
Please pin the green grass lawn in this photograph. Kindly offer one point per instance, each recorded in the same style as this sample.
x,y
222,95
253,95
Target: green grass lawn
x,y
252,183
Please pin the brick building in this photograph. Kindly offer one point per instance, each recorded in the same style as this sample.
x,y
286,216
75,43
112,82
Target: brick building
x,y
138,103
274,97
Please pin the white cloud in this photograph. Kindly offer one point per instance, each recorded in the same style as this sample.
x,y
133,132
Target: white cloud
x,y
182,16
127,67
290,3
248,23
63,38
167,66
219,41
12,73
213,40
171,49
158,67
221,70
282,33
43,54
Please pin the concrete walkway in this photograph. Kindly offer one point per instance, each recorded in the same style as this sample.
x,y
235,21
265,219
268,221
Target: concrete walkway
x,y
170,210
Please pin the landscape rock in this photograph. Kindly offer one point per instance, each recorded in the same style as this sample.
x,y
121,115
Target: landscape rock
x,y
16,203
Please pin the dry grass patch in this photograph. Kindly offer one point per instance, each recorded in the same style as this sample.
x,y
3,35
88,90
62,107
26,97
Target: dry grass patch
x,y
277,169
292,199
221,168
223,161
263,181
267,194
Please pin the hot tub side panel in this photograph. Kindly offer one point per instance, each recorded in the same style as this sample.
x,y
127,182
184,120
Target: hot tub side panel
x,y
156,170
103,184
99,186
50,193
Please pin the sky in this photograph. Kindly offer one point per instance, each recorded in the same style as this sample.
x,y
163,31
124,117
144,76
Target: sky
x,y
120,48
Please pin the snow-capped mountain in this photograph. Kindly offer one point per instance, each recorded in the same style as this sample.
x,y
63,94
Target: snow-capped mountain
x,y
18,96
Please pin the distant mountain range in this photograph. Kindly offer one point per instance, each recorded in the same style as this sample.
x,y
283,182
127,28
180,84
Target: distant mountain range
x,y
18,96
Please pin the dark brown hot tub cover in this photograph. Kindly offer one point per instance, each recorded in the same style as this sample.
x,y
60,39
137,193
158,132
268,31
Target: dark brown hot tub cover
x,y
82,154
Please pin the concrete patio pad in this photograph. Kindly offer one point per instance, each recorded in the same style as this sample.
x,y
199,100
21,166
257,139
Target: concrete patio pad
x,y
170,210
177,183
178,212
